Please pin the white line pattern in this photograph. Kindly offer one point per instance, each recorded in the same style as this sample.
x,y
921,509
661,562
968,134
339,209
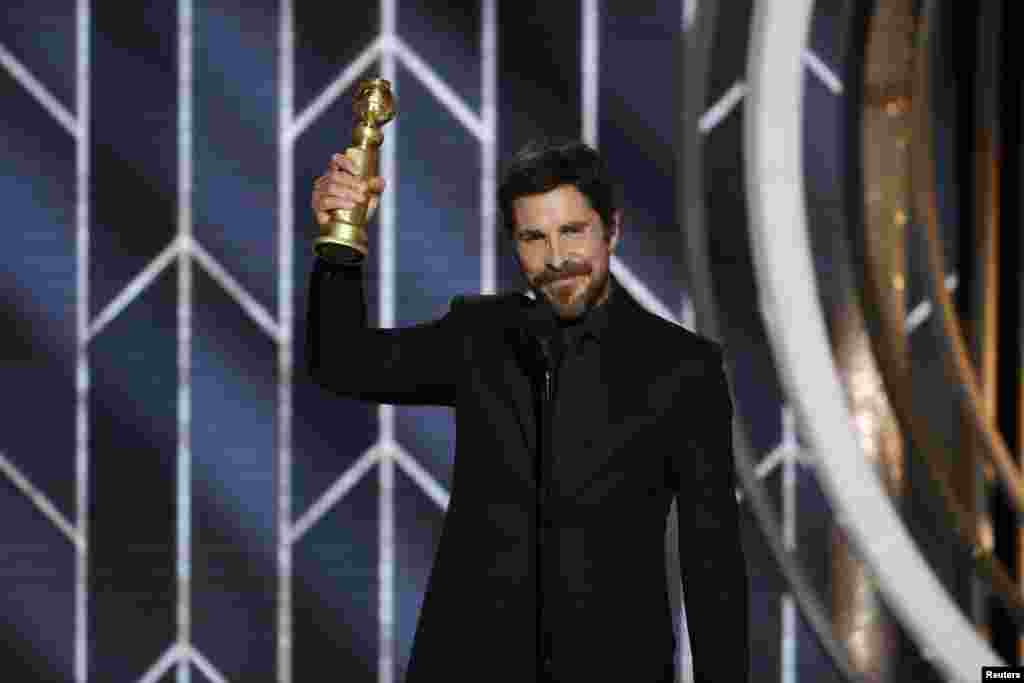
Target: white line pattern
x,y
386,414
78,129
489,149
83,171
791,448
43,96
342,485
246,301
42,503
788,449
639,291
182,653
340,84
723,107
204,665
430,486
735,94
823,72
287,134
169,658
439,89
134,288
590,66
184,457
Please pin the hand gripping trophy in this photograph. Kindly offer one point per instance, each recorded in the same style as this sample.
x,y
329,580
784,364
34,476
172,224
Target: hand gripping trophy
x,y
343,239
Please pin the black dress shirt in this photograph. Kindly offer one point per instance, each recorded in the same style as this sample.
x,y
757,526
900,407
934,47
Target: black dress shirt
x,y
580,403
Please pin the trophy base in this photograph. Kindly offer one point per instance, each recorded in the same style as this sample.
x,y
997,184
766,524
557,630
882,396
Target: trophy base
x,y
339,254
342,244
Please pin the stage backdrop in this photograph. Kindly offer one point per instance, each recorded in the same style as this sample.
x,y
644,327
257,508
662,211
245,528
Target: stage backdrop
x,y
178,501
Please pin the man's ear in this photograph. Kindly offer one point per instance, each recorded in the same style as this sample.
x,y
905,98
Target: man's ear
x,y
615,229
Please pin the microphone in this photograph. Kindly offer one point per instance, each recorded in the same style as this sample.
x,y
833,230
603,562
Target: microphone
x,y
544,335
545,352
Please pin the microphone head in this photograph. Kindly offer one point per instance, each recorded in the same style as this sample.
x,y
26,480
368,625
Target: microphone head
x,y
541,327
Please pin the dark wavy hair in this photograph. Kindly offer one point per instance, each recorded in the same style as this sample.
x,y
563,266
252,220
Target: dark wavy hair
x,y
544,164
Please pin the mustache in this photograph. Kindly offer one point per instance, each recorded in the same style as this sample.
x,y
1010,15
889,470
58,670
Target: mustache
x,y
570,269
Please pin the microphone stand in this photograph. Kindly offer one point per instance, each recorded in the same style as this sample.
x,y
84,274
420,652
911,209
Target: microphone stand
x,y
545,359
543,448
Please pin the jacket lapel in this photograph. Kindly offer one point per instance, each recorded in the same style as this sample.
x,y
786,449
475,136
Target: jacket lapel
x,y
519,393
509,381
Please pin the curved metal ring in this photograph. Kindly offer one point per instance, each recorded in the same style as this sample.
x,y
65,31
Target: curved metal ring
x,y
923,177
691,210
787,286
876,297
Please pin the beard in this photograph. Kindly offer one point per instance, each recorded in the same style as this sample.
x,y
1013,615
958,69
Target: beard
x,y
571,299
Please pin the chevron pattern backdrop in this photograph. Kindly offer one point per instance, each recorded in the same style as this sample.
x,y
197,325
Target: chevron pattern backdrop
x,y
179,502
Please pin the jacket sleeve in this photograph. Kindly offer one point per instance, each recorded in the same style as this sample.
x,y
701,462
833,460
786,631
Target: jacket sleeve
x,y
711,562
414,365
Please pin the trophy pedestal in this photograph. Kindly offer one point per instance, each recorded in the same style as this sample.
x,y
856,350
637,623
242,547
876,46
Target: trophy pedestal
x,y
342,244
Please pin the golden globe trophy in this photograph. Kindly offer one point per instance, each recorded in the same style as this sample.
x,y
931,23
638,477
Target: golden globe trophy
x,y
343,239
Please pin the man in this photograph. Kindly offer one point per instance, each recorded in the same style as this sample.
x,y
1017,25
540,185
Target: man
x,y
579,417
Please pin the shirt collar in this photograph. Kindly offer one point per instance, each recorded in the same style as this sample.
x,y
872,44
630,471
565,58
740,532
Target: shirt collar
x,y
595,323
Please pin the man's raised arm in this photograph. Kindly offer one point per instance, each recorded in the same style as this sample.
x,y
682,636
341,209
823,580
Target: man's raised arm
x,y
415,365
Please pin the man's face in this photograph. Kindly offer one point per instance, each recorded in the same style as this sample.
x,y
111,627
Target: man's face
x,y
562,250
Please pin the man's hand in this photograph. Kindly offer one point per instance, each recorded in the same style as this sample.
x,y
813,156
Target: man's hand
x,y
340,188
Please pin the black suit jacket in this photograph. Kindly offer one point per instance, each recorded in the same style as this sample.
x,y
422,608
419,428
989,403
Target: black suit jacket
x,y
668,434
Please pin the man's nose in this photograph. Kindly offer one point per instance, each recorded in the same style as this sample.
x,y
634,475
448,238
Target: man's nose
x,y
556,254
